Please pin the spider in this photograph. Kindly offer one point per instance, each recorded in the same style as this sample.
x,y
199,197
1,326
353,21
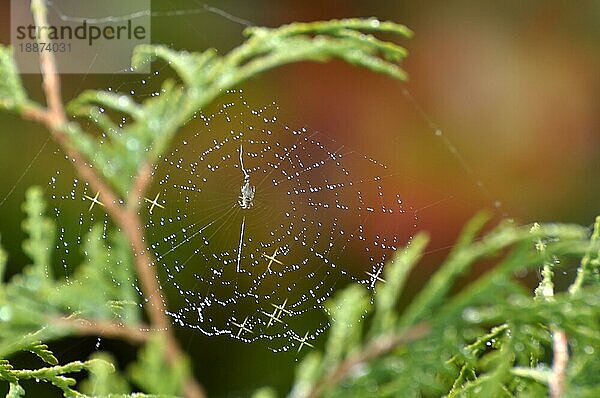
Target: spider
x,y
246,199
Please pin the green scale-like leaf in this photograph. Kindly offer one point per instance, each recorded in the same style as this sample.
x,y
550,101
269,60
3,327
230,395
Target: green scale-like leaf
x,y
39,246
103,286
104,380
154,376
12,95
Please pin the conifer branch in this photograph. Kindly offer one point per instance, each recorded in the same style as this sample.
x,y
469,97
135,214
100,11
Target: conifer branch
x,y
55,119
376,349
89,327
559,363
560,349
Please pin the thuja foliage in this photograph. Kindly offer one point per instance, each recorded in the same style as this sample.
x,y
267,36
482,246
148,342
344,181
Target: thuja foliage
x,y
492,338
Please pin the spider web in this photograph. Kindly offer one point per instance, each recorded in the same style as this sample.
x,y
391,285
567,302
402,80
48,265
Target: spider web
x,y
322,215
256,266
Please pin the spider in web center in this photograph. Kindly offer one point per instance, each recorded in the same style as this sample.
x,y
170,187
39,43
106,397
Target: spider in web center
x,y
246,199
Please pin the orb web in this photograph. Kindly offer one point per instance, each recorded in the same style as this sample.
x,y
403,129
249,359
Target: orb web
x,y
254,224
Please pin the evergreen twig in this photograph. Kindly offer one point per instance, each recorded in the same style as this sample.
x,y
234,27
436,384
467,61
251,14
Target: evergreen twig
x,y
373,350
590,264
89,327
55,119
545,291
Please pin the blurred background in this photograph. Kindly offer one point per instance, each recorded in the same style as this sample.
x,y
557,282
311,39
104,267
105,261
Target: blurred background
x,y
512,87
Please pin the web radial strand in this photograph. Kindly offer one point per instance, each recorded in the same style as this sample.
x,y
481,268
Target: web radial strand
x,y
262,222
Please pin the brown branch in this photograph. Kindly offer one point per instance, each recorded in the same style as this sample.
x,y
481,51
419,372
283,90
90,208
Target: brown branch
x,y
149,283
377,348
140,186
137,334
51,81
559,363
55,119
111,330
